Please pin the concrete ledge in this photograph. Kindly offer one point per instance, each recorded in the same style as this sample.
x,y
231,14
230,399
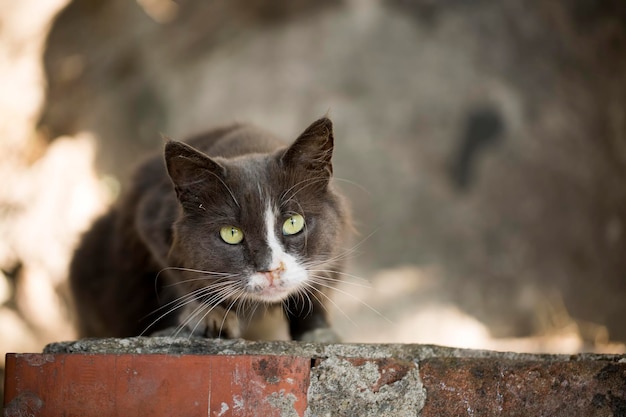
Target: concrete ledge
x,y
236,377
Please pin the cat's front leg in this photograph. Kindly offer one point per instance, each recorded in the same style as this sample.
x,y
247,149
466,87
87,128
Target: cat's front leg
x,y
216,322
309,323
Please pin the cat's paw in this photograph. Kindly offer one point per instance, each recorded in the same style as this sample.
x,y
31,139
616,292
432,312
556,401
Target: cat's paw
x,y
322,335
218,323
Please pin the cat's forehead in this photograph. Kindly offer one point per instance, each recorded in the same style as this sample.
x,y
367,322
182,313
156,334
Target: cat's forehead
x,y
251,168
259,181
255,176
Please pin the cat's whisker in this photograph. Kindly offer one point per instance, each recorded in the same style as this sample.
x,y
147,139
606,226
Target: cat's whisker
x,y
246,309
311,294
288,190
242,307
347,294
214,301
308,296
305,299
330,300
286,308
341,281
184,300
179,301
357,185
195,294
174,305
198,271
176,268
230,306
188,319
307,183
303,295
311,268
252,307
209,306
214,282
347,253
239,309
313,264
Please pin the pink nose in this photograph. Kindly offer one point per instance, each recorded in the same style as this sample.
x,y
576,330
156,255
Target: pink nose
x,y
274,274
271,276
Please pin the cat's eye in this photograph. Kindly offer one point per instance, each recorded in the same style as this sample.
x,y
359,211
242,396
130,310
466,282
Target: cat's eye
x,y
231,235
293,225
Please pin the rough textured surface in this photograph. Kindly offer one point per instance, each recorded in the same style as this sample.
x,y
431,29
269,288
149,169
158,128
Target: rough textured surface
x,y
486,387
406,352
368,388
411,380
94,385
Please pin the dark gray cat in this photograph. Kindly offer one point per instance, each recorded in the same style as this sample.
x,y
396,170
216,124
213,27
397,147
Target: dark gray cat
x,y
199,242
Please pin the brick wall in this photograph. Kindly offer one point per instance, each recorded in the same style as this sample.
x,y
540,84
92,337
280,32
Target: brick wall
x,y
163,376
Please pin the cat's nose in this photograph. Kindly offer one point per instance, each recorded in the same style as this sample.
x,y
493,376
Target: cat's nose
x,y
271,276
274,274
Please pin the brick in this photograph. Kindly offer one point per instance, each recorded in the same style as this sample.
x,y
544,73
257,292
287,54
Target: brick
x,y
155,385
505,387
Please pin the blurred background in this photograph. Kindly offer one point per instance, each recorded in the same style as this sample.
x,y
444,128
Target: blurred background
x,y
482,145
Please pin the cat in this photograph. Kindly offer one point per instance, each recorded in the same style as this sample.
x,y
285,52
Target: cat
x,y
228,224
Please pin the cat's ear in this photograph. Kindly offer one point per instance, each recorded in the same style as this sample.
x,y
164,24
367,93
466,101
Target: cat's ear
x,y
189,168
313,150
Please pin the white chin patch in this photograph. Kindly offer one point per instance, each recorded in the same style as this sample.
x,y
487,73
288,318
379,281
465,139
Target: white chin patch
x,y
285,274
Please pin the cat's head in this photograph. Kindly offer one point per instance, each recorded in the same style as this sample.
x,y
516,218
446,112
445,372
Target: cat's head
x,y
258,226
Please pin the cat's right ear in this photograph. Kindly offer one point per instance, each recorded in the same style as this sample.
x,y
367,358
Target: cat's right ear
x,y
189,168
313,150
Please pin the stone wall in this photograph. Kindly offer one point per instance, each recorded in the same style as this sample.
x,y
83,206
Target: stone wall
x,y
163,376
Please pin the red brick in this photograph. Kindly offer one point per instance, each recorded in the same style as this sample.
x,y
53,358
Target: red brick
x,y
502,387
155,385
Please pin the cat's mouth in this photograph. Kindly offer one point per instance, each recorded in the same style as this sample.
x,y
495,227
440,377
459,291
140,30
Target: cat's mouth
x,y
270,294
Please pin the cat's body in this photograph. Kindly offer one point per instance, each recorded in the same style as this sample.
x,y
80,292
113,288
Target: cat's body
x,y
200,243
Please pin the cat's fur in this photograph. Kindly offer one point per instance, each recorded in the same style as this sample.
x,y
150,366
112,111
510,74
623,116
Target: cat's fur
x,y
156,259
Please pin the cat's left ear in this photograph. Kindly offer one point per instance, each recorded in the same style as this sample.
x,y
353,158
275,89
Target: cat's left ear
x,y
313,150
190,169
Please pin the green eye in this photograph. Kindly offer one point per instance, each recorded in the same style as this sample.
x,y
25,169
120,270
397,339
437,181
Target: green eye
x,y
293,225
231,235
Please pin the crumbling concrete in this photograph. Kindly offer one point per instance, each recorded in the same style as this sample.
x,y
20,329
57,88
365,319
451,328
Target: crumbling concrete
x,y
365,387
